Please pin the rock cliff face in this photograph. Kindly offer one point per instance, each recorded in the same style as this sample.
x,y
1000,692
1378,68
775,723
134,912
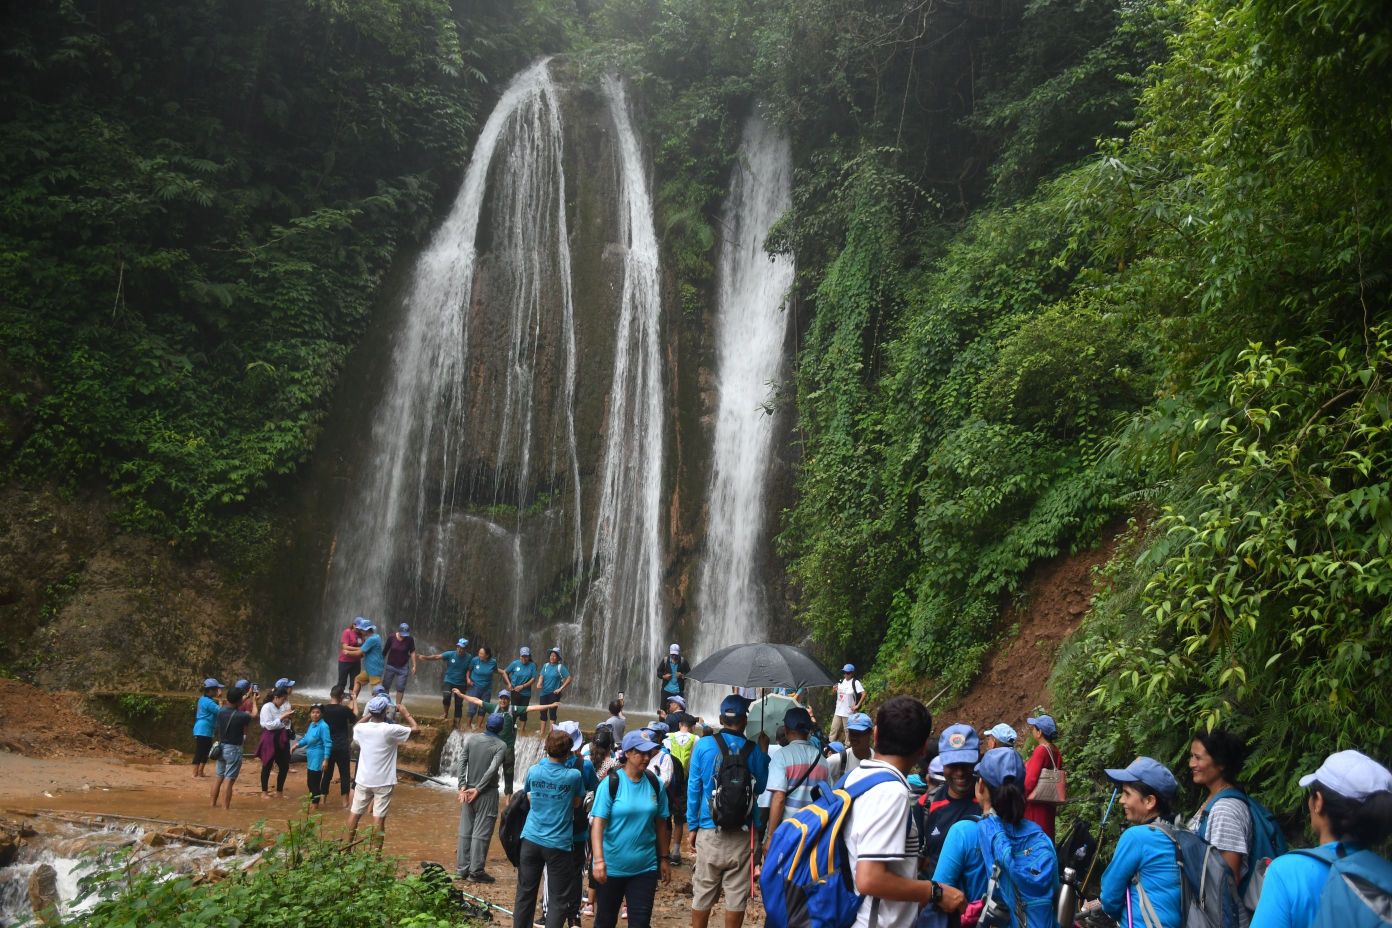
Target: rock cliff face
x,y
496,534
84,605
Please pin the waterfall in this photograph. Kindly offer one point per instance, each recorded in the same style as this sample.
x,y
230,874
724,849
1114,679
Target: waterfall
x,y
751,327
493,430
621,615
527,751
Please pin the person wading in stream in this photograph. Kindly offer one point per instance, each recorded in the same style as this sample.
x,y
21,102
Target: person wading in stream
x,y
477,774
378,741
274,749
456,677
229,728
555,677
513,718
521,677
350,654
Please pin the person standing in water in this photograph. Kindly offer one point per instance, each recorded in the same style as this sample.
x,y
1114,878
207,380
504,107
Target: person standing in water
x,y
521,677
205,724
400,661
555,677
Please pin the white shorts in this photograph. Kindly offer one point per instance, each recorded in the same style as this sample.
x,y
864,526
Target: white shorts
x,y
379,796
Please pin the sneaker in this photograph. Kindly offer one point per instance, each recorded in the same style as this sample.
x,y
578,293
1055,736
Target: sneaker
x,y
675,860
478,876
587,911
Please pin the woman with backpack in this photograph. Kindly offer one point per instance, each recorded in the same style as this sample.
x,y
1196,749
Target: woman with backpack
x,y
1350,807
1029,876
1141,886
629,837
1224,820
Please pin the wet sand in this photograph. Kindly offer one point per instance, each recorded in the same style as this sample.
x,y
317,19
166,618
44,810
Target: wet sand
x,y
421,825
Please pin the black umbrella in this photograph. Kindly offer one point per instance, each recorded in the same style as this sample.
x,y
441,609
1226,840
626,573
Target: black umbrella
x,y
763,665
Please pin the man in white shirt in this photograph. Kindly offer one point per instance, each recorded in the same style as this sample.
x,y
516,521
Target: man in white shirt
x,y
881,839
850,693
377,741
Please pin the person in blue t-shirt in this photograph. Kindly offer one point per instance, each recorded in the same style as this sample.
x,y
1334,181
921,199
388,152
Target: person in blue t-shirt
x,y
456,673
1144,854
204,724
1000,792
629,837
548,840
480,683
317,742
1350,806
554,678
374,662
521,676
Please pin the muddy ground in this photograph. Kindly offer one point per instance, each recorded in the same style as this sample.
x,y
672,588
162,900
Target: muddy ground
x,y
114,775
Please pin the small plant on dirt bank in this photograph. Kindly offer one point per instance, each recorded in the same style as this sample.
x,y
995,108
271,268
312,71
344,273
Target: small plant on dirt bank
x,y
302,879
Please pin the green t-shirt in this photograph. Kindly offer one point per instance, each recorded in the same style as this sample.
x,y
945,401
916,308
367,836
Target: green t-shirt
x,y
509,732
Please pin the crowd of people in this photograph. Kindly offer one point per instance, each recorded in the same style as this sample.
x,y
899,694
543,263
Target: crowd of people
x,y
957,829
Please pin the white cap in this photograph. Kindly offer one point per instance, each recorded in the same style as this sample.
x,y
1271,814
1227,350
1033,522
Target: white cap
x,y
572,729
674,649
1351,775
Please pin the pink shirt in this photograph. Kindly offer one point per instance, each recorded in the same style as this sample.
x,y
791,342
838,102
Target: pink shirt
x,y
349,639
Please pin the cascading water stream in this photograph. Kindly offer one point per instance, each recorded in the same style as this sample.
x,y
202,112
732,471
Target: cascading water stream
x,y
621,617
445,438
751,328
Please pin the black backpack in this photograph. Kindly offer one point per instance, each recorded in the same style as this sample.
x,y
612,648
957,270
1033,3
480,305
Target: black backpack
x,y
510,825
732,790
676,788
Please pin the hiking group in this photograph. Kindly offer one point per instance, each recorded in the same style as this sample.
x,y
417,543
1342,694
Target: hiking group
x,y
881,825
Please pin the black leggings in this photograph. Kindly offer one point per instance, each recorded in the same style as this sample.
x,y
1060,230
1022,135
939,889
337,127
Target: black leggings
x,y
315,780
281,760
446,697
347,673
339,759
202,744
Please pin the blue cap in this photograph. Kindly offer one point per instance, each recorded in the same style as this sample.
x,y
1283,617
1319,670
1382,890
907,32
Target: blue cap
x,y
676,699
377,705
733,708
1149,771
211,684
798,719
462,643
378,690
555,649
361,624
404,628
859,721
958,744
1003,733
242,684
1350,774
660,728
916,781
837,747
935,769
285,682
1044,723
849,668
504,694
524,651
495,723
637,741
999,765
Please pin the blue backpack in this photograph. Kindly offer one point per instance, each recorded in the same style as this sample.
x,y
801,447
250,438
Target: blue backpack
x,y
1023,868
1268,841
1358,893
807,880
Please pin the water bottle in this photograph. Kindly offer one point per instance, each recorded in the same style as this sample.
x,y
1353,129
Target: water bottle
x,y
1067,908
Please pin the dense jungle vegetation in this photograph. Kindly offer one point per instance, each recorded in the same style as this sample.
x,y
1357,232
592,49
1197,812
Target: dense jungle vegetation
x,y
1062,264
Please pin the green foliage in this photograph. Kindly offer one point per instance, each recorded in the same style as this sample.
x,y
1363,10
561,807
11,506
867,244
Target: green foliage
x,y
140,706
199,202
301,879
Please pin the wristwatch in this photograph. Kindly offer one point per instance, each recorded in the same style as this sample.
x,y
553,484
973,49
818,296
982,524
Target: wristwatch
x,y
937,892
